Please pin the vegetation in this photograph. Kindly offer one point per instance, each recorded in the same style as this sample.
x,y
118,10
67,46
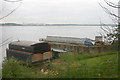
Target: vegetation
x,y
68,65
0,73
16,69
111,32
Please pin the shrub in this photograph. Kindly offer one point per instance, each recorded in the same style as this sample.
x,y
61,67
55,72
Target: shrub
x,y
13,68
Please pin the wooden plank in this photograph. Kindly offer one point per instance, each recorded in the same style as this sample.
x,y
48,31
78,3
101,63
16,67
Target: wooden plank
x,y
47,55
37,57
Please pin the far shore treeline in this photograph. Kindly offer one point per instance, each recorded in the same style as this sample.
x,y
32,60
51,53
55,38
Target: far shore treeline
x,y
42,24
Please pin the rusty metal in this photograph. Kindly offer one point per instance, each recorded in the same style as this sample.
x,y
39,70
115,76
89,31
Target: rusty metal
x,y
29,51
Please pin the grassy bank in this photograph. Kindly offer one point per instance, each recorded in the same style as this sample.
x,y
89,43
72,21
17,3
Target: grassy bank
x,y
68,65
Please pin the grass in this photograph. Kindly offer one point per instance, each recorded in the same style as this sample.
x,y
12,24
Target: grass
x,y
0,73
86,65
68,65
16,69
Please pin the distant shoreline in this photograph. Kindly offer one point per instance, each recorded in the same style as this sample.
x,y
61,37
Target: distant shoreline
x,y
16,24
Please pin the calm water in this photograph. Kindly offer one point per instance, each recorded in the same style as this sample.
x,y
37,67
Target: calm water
x,y
33,33
36,32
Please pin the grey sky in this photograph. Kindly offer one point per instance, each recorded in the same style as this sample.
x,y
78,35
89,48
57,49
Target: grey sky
x,y
57,11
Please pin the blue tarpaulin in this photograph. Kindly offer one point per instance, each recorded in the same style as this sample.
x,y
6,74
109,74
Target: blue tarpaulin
x,y
88,43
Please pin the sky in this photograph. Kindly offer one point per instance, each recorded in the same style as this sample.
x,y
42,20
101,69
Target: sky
x,y
57,11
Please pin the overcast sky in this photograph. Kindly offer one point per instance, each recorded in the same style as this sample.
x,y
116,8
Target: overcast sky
x,y
57,11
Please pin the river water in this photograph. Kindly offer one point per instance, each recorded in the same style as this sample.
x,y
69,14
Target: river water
x,y
33,33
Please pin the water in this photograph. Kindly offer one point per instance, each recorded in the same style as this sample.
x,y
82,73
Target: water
x,y
33,33
36,32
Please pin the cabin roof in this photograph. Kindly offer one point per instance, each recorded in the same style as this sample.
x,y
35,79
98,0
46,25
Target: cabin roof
x,y
25,43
